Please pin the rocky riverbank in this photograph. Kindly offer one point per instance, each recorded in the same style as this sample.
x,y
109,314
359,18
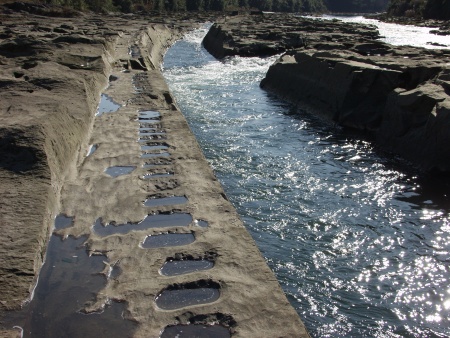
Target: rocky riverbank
x,y
151,244
400,95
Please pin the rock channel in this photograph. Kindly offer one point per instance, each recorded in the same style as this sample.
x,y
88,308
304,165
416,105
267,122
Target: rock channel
x,y
128,182
399,95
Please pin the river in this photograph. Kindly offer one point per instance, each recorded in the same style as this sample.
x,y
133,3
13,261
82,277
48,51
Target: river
x,y
358,240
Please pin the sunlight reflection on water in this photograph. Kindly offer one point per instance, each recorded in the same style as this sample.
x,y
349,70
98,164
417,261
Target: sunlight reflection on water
x,y
357,240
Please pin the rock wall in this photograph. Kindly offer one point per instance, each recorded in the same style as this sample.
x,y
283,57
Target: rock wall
x,y
400,95
51,76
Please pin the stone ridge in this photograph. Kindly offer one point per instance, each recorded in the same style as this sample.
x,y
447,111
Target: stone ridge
x,y
398,95
55,152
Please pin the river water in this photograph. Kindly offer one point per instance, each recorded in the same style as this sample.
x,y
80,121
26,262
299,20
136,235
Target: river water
x,y
358,241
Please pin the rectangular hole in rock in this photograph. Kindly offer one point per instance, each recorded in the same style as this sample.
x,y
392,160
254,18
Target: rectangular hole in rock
x,y
168,239
162,201
195,330
179,296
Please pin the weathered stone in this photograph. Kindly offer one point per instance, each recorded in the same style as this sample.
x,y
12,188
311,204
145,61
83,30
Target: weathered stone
x,y
397,93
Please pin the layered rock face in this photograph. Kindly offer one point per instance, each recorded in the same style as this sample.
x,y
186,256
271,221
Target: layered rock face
x,y
398,94
129,182
51,74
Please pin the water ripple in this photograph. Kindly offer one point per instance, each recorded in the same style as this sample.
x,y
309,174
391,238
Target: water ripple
x,y
358,242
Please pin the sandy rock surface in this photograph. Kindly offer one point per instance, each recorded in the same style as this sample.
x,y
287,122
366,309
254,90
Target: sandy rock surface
x,y
397,94
56,148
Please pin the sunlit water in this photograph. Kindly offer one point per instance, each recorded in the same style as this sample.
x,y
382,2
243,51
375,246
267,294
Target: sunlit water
x,y
359,243
409,35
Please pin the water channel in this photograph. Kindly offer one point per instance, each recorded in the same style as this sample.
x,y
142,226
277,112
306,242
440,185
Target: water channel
x,y
357,239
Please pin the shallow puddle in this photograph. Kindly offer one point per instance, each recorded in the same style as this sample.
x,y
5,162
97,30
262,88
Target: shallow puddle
x,y
172,200
183,295
107,105
92,149
149,114
134,51
201,223
195,330
151,221
180,267
158,175
169,239
68,279
63,221
152,155
148,147
119,170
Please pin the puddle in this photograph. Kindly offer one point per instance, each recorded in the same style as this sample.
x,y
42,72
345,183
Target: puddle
x,y
107,105
151,221
150,176
181,267
195,330
149,114
169,239
115,271
68,279
178,296
152,136
63,221
151,155
119,170
156,202
201,223
134,51
148,147
92,149
149,132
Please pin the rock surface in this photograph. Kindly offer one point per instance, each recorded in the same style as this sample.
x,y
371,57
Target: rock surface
x,y
52,74
398,94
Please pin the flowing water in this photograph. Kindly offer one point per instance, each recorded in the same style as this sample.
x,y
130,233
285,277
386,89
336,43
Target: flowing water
x,y
358,241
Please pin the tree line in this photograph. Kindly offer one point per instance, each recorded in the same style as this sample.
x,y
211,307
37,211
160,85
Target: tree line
x,y
428,9
437,9
128,6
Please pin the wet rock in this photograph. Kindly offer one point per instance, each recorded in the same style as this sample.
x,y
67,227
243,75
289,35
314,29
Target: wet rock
x,y
398,94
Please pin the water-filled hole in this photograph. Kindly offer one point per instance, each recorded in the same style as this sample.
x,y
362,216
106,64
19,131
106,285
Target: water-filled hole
x,y
178,296
184,266
119,170
157,175
107,105
63,221
171,200
168,239
92,149
195,330
149,114
68,280
152,155
156,147
134,51
151,221
201,223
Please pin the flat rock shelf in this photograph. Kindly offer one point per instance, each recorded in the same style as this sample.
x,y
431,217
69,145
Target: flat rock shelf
x,y
57,80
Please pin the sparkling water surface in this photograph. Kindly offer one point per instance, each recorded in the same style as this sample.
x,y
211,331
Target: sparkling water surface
x,y
358,241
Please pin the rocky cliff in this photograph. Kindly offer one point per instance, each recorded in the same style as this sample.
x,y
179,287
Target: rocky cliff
x,y
400,95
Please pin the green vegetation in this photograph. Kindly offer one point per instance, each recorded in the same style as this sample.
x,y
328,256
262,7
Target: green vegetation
x,y
428,9
356,6
192,5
